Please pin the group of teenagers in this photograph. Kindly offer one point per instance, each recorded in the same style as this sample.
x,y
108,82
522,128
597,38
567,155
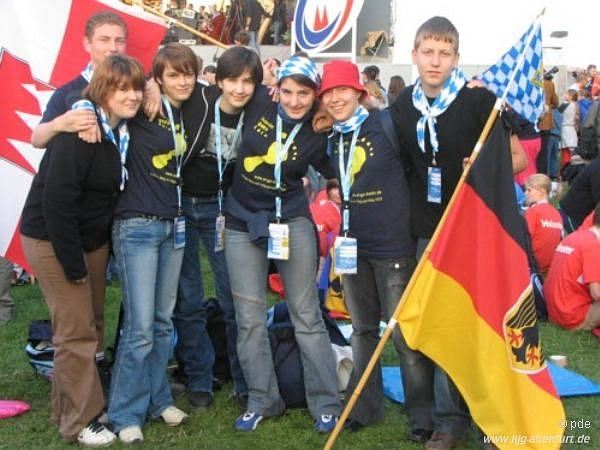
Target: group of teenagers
x,y
224,165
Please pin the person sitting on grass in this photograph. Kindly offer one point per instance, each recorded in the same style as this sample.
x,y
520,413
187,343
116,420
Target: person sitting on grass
x,y
572,289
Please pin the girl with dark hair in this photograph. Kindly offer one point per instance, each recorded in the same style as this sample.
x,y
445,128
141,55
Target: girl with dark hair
x,y
213,118
267,218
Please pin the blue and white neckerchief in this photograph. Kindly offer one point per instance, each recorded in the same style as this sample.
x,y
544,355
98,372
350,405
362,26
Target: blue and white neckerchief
x,y
219,147
450,90
281,154
88,72
351,124
179,146
122,145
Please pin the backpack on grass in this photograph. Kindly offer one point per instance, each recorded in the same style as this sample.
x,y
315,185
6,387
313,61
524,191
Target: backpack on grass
x,y
39,349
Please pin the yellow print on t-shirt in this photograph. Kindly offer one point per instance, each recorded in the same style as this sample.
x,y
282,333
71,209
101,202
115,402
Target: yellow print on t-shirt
x,y
251,163
263,182
361,198
263,127
363,149
160,161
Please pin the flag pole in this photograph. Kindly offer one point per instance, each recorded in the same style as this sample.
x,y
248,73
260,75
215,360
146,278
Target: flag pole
x,y
393,322
183,26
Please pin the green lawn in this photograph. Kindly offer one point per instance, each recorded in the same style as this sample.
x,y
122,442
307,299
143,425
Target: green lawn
x,y
214,429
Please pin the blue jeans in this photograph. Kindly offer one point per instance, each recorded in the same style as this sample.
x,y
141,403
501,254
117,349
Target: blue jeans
x,y
373,293
149,269
450,413
553,152
194,348
248,267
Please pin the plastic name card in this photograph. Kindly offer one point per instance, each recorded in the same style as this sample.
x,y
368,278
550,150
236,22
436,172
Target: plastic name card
x,y
220,233
434,185
279,241
344,255
179,232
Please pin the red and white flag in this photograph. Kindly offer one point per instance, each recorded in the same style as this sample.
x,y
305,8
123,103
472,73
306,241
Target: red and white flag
x,y
41,47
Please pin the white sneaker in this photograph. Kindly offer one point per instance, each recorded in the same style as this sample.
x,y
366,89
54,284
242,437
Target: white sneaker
x,y
96,435
173,416
131,435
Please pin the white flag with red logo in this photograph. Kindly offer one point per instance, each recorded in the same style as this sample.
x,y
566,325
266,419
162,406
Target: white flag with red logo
x,y
41,47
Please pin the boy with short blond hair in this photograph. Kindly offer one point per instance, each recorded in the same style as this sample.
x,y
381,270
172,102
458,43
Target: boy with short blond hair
x,y
438,121
105,34
543,220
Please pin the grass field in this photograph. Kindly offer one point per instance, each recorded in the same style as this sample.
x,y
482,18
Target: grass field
x,y
214,429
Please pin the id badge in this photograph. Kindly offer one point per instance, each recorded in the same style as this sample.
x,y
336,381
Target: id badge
x,y
220,233
344,255
434,185
179,232
279,241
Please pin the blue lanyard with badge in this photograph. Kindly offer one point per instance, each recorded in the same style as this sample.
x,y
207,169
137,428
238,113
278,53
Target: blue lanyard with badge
x,y
345,249
434,180
220,220
180,147
278,246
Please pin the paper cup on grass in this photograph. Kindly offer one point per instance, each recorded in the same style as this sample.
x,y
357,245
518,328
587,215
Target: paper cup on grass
x,y
559,360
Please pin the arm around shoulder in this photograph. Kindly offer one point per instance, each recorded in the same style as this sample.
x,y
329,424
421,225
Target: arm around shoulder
x,y
72,121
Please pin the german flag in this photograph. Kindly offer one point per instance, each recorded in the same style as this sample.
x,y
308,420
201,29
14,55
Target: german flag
x,y
469,308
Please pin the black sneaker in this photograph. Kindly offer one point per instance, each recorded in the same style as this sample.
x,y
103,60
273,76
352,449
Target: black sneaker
x,y
353,425
200,399
177,388
419,435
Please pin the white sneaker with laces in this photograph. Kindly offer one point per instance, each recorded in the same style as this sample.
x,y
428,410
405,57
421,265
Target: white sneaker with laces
x,y
96,435
131,435
173,416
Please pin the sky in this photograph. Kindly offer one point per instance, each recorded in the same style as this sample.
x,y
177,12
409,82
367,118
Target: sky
x,y
489,28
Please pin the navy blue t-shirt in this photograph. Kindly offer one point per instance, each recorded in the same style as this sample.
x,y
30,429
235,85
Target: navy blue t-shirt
x,y
151,163
379,196
63,98
254,180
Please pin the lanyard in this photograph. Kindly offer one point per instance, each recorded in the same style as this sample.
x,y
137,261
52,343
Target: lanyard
x,y
179,145
219,147
122,145
345,174
281,153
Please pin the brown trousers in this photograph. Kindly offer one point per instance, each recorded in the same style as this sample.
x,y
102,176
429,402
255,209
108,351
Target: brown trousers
x,y
77,315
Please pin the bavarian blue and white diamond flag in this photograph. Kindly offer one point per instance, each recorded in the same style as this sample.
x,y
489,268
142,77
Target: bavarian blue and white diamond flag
x,y
526,93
